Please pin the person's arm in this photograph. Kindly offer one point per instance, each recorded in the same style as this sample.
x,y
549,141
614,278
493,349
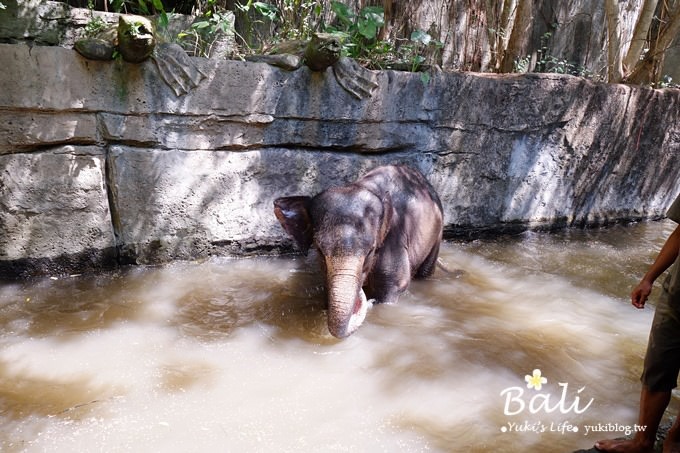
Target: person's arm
x,y
666,257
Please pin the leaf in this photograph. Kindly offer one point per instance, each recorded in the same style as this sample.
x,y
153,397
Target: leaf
x,y
224,26
425,77
163,20
421,37
143,8
343,12
375,14
158,5
266,10
117,5
242,7
341,35
367,29
200,25
377,10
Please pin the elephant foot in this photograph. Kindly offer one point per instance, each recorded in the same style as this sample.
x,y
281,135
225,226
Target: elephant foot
x,y
354,78
176,68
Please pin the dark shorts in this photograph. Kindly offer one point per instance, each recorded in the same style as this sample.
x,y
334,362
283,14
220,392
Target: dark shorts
x,y
662,361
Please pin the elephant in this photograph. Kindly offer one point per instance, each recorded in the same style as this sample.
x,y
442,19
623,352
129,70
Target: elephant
x,y
377,233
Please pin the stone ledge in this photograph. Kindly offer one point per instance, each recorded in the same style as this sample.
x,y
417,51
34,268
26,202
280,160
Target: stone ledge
x,y
101,155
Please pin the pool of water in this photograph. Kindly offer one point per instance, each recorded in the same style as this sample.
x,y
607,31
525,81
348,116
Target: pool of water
x,y
234,355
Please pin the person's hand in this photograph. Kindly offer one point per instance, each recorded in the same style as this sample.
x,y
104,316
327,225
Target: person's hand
x,y
641,293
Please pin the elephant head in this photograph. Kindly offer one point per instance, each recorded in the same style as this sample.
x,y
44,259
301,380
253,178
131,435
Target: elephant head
x,y
347,225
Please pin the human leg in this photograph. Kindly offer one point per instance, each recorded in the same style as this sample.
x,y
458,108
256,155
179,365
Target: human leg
x,y
652,407
659,377
672,442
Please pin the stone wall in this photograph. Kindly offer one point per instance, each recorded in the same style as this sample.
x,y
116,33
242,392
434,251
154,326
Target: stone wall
x,y
100,163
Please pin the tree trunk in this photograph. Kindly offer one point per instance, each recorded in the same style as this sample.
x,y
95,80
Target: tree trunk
x,y
519,36
503,28
647,71
614,63
639,38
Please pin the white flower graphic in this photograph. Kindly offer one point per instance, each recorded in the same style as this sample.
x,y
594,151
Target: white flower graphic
x,y
535,380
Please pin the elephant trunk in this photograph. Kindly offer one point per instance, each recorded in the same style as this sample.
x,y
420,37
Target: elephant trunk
x,y
347,304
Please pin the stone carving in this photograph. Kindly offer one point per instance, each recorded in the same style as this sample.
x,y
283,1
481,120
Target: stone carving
x,y
319,53
135,40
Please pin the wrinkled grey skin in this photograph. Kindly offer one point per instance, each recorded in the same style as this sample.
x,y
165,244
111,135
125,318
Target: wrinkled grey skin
x,y
377,233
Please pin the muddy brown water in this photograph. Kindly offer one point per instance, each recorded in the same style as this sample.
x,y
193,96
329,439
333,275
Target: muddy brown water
x,y
234,355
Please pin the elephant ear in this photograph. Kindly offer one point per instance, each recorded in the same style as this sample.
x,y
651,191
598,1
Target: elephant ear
x,y
293,215
386,221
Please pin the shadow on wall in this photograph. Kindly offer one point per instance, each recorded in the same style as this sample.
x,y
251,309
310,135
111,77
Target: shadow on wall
x,y
41,24
173,203
503,152
617,178
565,152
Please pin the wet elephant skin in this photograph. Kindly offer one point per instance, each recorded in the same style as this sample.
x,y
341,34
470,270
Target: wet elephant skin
x,y
375,233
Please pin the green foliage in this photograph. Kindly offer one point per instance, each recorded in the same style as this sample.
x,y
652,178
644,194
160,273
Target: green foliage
x,y
134,6
547,63
142,7
279,20
206,30
521,65
255,14
359,32
423,44
298,19
96,24
420,45
666,82
265,10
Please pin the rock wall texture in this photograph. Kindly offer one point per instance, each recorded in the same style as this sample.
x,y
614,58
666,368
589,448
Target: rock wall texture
x,y
100,163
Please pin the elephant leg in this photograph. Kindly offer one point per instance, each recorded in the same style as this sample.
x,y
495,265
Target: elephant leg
x,y
426,269
390,277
